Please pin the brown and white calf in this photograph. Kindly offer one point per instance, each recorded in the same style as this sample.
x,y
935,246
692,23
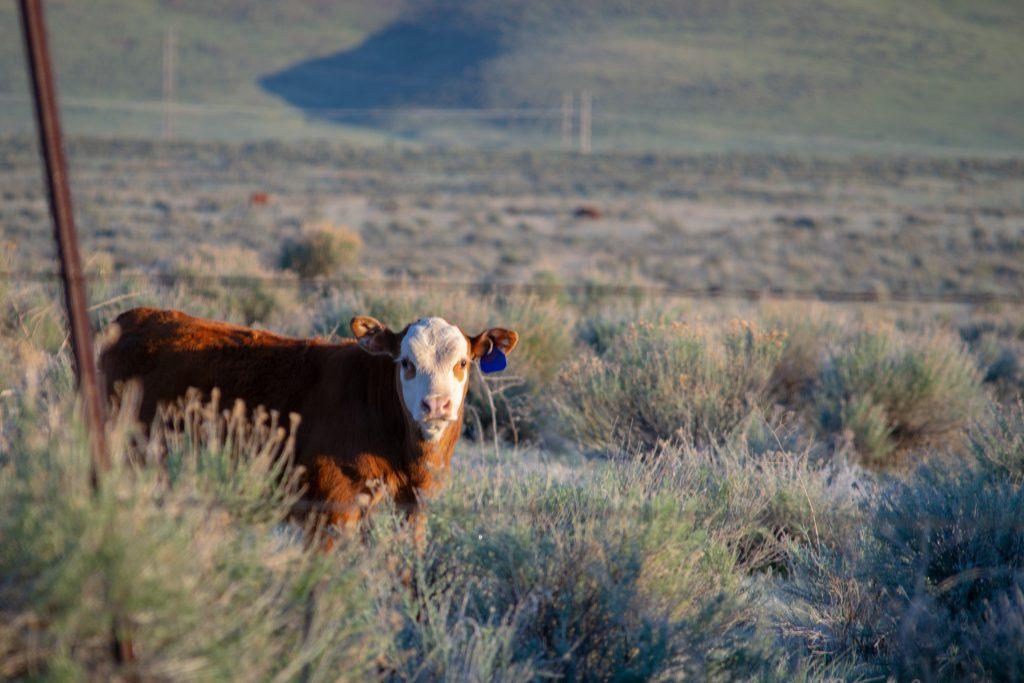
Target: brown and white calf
x,y
380,414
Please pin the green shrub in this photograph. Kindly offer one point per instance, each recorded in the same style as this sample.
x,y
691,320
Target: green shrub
x,y
995,339
930,588
662,380
940,525
996,641
243,289
599,332
949,545
33,314
997,442
892,393
321,250
612,579
766,505
185,566
802,360
829,613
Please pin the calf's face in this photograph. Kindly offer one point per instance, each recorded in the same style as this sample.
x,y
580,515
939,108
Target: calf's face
x,y
432,359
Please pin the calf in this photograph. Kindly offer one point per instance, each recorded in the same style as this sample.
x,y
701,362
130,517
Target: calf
x,y
380,413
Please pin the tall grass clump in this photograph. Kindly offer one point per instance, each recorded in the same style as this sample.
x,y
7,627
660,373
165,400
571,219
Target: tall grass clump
x,y
802,361
997,441
320,250
33,315
932,589
665,380
181,561
892,393
613,579
765,505
229,282
951,549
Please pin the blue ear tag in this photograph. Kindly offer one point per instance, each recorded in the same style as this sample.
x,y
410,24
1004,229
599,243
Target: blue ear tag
x,y
494,361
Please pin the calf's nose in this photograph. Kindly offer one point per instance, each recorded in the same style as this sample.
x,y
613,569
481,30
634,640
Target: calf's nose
x,y
436,406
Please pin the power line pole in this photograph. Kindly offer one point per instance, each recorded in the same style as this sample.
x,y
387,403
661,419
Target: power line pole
x,y
169,80
567,114
585,114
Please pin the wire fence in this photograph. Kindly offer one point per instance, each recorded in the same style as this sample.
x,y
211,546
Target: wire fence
x,y
578,291
158,107
619,127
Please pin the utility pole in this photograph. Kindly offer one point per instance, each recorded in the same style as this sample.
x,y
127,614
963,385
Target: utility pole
x,y
585,114
169,80
567,114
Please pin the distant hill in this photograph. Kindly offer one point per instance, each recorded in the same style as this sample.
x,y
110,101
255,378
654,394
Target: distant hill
x,y
731,73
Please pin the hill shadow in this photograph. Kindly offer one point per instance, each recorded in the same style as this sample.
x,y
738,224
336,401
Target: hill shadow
x,y
434,60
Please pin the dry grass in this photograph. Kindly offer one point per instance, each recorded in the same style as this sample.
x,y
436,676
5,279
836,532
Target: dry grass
x,y
731,542
322,249
666,380
734,525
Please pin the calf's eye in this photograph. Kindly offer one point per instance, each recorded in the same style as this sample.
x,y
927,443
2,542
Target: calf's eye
x,y
408,369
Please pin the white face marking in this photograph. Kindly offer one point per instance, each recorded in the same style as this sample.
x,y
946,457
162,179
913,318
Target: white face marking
x,y
433,395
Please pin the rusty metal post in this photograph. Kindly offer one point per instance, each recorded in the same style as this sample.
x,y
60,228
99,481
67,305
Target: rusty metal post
x,y
52,146
75,300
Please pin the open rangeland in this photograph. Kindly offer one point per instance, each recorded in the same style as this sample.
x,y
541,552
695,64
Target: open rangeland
x,y
656,487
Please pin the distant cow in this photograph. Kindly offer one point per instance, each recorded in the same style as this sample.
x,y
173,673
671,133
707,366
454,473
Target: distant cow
x,y
588,212
380,413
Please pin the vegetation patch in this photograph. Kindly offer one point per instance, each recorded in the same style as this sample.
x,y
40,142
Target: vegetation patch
x,y
891,394
321,250
726,532
931,586
666,380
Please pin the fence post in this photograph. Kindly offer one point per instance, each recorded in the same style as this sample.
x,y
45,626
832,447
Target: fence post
x,y
567,114
75,301
585,121
170,81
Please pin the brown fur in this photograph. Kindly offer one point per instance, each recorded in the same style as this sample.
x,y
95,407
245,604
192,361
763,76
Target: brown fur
x,y
355,436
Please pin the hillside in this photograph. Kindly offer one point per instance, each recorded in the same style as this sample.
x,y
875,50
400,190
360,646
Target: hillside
x,y
694,73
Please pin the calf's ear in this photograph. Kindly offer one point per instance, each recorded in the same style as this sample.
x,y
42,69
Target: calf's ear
x,y
375,337
494,338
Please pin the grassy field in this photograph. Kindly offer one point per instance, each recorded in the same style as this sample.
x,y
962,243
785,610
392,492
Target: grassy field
x,y
878,227
666,488
677,491
791,74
